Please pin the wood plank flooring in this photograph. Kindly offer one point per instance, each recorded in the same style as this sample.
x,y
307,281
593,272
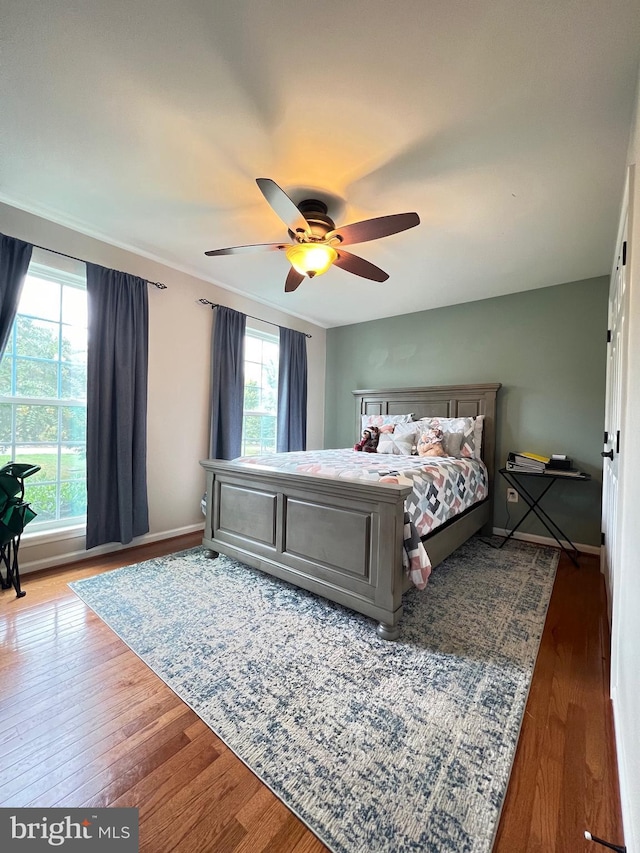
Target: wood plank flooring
x,y
83,722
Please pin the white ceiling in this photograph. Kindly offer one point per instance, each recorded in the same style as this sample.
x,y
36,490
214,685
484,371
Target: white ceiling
x,y
503,123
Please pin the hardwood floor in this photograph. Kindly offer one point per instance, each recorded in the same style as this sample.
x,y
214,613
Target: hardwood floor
x,y
85,723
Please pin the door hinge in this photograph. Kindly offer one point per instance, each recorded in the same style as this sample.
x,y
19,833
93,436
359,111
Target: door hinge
x,y
618,442
606,437
608,336
624,253
602,538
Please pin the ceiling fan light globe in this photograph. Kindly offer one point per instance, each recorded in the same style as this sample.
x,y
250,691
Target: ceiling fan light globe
x,y
311,258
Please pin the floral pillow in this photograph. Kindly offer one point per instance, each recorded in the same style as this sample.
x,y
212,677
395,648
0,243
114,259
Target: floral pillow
x,y
458,435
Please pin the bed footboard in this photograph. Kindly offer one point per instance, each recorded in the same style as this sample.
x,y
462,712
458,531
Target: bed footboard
x,y
341,539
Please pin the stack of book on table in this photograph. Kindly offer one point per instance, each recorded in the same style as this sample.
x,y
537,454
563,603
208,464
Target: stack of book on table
x,y
528,463
531,463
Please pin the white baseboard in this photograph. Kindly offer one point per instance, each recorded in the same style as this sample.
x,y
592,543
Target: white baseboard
x,y
546,540
73,556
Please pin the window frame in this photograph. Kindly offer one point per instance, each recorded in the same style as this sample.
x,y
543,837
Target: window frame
x,y
62,276
271,338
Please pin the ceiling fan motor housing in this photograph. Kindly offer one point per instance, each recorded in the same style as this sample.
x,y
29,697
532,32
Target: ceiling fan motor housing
x,y
315,212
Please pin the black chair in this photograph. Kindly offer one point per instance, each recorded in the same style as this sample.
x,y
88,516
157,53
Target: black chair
x,y
15,514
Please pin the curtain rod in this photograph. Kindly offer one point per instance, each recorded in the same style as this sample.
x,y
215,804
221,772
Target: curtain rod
x,y
217,305
157,284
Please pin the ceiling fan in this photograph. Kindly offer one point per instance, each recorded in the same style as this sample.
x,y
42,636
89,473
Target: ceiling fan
x,y
316,242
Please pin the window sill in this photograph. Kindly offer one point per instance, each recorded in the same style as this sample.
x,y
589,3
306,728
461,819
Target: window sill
x,y
56,534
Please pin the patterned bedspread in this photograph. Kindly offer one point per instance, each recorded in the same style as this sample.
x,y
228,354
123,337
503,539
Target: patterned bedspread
x,y
441,488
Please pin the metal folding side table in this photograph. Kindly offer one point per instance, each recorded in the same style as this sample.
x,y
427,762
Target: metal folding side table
x,y
534,504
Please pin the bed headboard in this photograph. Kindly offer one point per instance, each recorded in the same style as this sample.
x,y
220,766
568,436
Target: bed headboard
x,y
439,401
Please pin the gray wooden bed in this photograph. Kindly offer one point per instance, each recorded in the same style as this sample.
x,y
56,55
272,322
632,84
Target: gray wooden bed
x,y
343,539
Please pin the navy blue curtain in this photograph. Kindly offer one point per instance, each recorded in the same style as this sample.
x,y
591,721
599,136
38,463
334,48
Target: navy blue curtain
x,y
14,263
292,391
117,366
227,383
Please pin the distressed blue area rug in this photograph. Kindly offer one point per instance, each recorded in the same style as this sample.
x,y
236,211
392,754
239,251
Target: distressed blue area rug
x,y
376,746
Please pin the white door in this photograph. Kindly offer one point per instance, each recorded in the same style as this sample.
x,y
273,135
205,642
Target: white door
x,y
618,311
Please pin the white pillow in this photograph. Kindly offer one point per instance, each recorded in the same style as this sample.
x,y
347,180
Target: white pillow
x,y
400,444
409,430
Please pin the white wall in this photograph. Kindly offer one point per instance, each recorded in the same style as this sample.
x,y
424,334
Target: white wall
x,y
178,415
626,611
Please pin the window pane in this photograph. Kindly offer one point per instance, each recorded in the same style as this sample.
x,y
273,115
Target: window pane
x,y
73,382
74,306
74,423
73,499
251,435
43,499
269,390
40,298
253,372
73,462
259,434
251,397
269,432
45,456
6,410
252,349
37,338
74,344
271,351
6,366
36,378
36,423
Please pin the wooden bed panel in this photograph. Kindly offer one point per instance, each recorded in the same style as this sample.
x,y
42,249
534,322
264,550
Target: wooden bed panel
x,y
237,503
336,537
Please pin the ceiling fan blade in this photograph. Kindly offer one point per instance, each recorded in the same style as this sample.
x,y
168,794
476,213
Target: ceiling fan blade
x,y
244,250
283,206
358,266
372,229
293,280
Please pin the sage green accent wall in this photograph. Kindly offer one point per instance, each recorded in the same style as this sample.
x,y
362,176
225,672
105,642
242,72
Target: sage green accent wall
x,y
548,349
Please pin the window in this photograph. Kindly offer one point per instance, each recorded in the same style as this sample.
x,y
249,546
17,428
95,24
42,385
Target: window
x,y
260,393
43,384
